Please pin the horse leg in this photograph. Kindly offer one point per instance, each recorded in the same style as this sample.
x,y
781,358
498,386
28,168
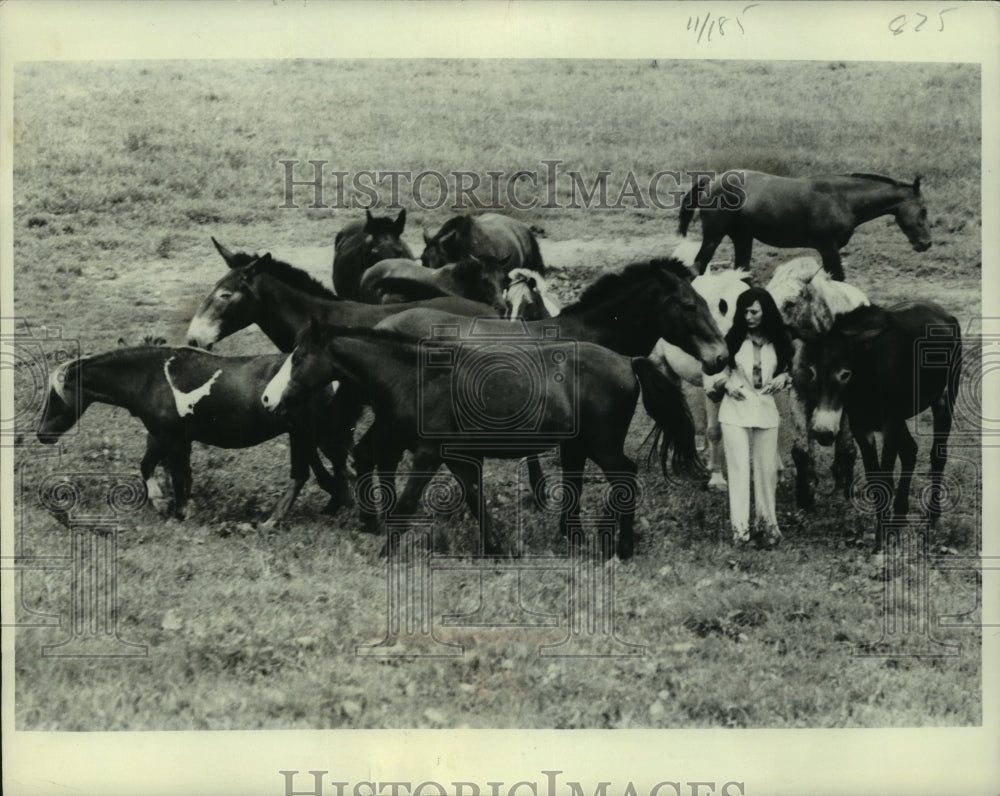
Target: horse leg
x,y
802,454
364,464
469,475
302,450
942,411
831,262
742,249
178,458
713,446
869,458
536,500
147,468
710,240
844,456
337,445
906,448
572,460
621,471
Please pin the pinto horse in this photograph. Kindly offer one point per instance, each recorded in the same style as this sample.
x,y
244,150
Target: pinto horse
x,y
882,367
183,395
584,405
809,302
527,297
818,213
475,278
505,239
361,244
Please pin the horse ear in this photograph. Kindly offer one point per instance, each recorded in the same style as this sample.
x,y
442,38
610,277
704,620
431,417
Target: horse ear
x,y
427,238
916,184
866,327
400,223
121,342
532,283
227,255
315,328
368,219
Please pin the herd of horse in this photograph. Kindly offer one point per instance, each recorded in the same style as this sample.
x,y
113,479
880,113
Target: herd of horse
x,y
463,355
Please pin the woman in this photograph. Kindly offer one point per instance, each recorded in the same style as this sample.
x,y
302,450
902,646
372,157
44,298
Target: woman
x,y
760,360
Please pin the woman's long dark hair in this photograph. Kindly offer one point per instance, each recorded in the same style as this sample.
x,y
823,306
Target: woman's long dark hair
x,y
771,327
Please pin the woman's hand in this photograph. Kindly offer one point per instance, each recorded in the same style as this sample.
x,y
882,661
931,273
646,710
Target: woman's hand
x,y
778,383
735,392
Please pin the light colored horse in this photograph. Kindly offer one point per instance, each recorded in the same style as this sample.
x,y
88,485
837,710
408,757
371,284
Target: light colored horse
x,y
528,298
720,289
809,300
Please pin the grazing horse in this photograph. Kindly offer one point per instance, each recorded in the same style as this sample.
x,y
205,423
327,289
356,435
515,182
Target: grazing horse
x,y
528,298
882,367
809,301
505,239
361,244
809,212
720,289
183,395
280,299
475,278
584,404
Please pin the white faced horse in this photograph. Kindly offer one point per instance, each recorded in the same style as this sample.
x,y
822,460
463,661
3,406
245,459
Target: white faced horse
x,y
528,298
809,301
720,289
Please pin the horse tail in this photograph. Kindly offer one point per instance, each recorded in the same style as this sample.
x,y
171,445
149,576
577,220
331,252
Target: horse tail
x,y
664,401
690,204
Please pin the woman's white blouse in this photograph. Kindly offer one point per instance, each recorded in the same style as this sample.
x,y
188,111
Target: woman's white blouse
x,y
755,410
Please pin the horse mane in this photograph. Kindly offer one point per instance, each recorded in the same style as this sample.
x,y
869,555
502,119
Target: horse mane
x,y
298,279
632,274
880,178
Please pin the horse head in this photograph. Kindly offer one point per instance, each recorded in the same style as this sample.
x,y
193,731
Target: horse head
x,y
685,318
449,245
64,403
527,296
911,216
231,305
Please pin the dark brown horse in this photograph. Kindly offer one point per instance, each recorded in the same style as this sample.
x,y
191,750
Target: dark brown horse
x,y
479,279
582,401
281,299
505,239
183,395
361,244
882,367
818,213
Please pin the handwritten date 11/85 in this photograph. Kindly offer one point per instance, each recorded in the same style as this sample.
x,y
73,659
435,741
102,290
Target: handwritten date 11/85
x,y
917,22
704,25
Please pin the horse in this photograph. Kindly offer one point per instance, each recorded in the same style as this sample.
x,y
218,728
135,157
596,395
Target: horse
x,y
882,367
809,301
476,278
720,289
818,213
184,395
584,404
501,237
361,244
281,298
625,312
527,297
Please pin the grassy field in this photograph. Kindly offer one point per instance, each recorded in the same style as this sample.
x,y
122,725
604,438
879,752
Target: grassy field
x,y
123,171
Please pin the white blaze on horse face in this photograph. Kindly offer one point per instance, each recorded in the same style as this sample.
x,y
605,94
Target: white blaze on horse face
x,y
826,420
203,331
186,401
57,381
275,389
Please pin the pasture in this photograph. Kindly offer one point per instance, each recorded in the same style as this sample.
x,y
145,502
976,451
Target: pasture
x,y
122,173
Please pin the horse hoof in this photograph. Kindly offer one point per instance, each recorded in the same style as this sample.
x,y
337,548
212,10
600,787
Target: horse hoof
x,y
718,482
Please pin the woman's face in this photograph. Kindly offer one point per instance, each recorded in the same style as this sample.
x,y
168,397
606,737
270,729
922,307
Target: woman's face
x,y
754,314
